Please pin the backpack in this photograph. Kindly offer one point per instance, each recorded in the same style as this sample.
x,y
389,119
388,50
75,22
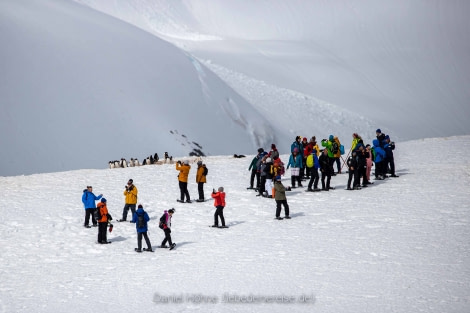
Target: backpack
x,y
205,171
97,214
140,221
334,147
310,161
162,222
341,149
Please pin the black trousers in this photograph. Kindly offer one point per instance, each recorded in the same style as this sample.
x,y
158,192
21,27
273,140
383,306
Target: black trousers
x,y
328,179
88,213
278,207
147,240
184,191
353,174
219,212
314,178
102,228
200,189
167,237
126,210
254,173
262,184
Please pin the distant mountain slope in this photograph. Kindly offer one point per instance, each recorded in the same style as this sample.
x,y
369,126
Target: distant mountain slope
x,y
79,88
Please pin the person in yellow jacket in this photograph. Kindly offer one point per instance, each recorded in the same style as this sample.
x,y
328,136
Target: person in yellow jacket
x,y
183,180
337,155
131,199
201,180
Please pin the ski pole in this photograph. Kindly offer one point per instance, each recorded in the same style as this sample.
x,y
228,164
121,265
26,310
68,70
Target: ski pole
x,y
344,160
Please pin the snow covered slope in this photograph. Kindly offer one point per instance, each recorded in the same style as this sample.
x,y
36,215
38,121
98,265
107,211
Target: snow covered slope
x,y
404,64
400,245
79,88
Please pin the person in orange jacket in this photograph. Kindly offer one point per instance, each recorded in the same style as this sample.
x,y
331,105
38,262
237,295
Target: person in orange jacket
x,y
183,179
219,203
102,222
200,180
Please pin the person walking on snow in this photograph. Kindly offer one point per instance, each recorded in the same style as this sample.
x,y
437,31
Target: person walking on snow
x,y
165,225
140,218
219,203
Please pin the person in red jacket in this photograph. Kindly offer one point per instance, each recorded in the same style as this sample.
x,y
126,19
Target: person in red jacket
x,y
219,203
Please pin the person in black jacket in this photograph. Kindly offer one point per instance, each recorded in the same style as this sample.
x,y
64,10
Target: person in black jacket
x,y
325,169
362,155
353,171
269,171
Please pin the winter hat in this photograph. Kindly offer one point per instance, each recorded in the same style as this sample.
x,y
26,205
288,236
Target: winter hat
x,y
359,145
331,137
378,131
140,206
387,137
186,162
368,146
305,139
130,180
297,138
172,210
199,162
278,178
296,150
221,189
273,146
268,160
260,150
103,200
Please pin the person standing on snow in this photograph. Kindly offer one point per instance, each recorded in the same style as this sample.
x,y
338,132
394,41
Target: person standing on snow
x,y
219,203
200,180
130,193
103,221
88,199
184,169
280,197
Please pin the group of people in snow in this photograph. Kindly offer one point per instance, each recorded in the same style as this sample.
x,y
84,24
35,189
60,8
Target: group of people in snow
x,y
308,162
101,218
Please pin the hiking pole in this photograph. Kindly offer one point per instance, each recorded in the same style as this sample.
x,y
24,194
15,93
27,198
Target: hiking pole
x,y
344,160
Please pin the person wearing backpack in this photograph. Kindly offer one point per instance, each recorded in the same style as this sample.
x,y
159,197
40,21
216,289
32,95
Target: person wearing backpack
x,y
379,160
88,199
325,169
313,164
102,218
165,225
201,179
328,144
140,218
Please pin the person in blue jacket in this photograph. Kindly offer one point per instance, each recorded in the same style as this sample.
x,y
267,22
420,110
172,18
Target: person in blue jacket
x,y
314,177
140,218
379,160
296,162
88,199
